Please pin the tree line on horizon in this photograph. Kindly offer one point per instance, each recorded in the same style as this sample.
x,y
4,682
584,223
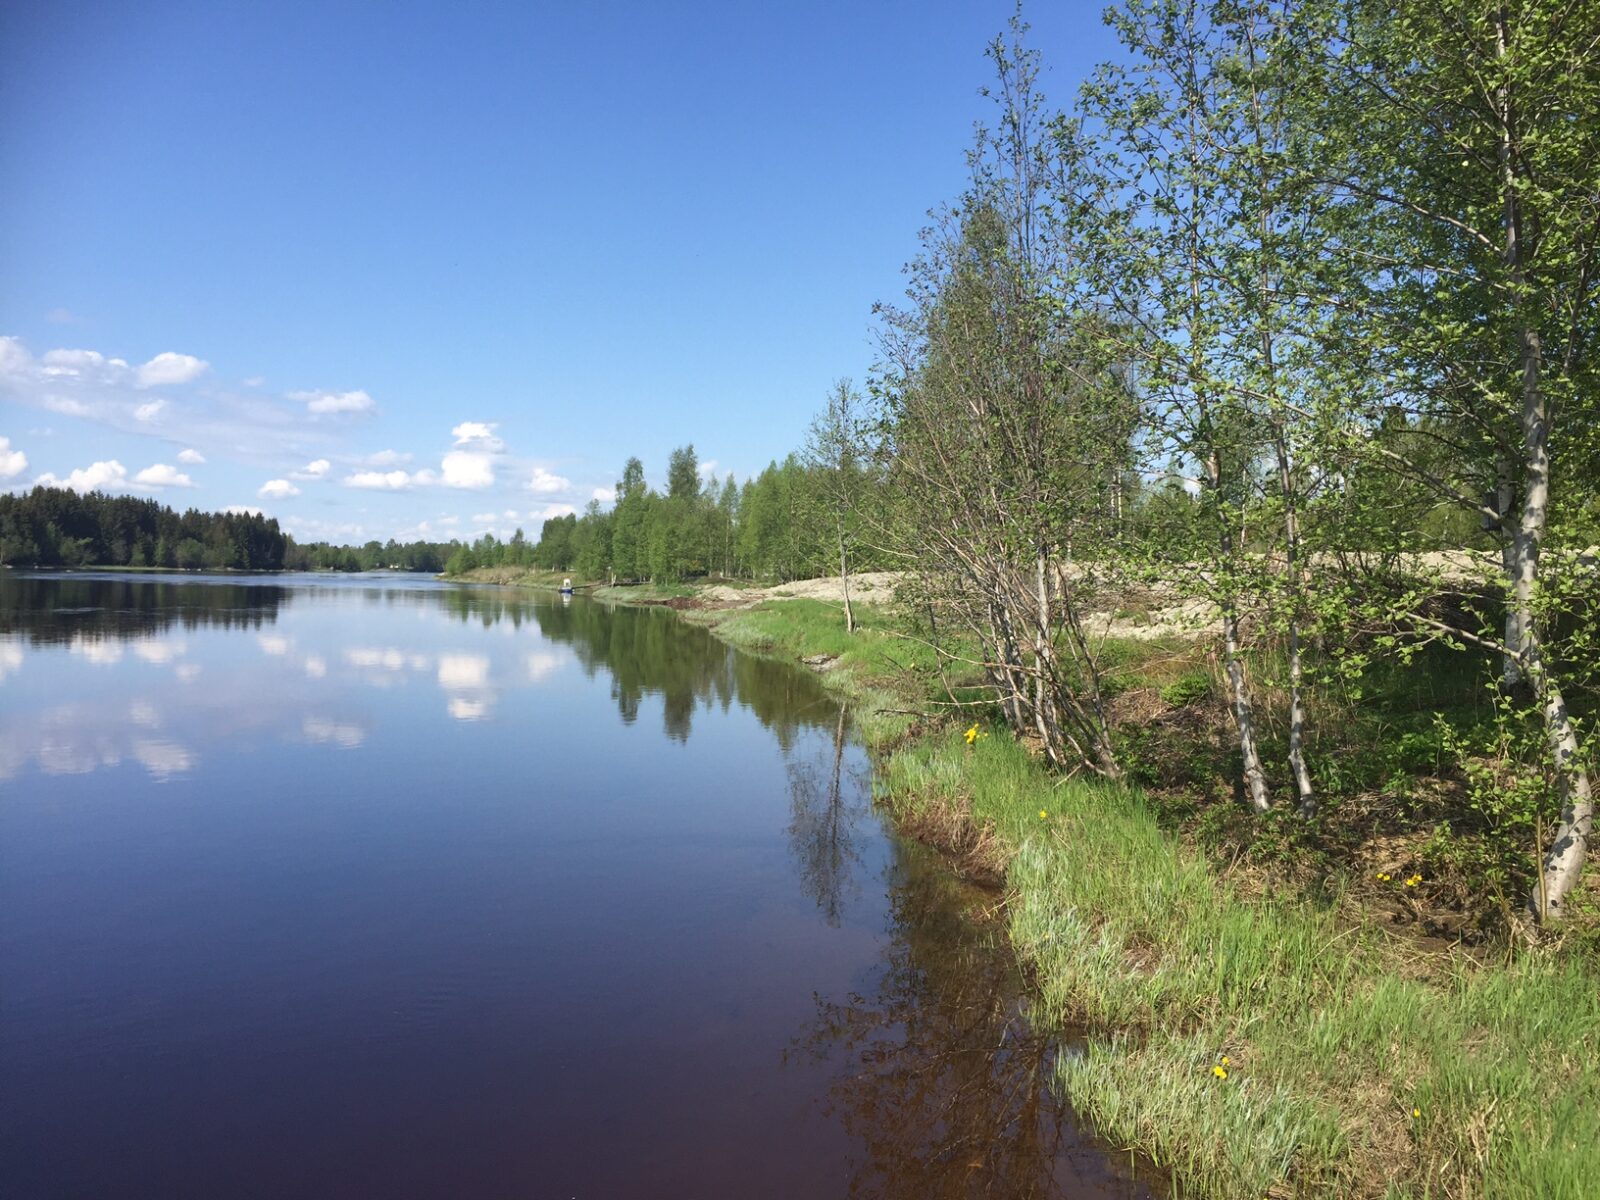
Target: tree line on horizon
x,y
58,527
778,525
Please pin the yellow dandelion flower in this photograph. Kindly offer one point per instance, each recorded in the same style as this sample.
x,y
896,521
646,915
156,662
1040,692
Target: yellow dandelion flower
x,y
1414,880
971,735
1384,877
1219,1072
1043,814
1415,1113
1226,1061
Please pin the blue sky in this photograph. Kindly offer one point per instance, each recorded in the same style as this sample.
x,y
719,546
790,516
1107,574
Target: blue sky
x,y
426,269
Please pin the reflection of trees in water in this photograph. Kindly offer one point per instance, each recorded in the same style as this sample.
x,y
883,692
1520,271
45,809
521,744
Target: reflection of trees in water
x,y
486,606
651,651
944,1086
825,803
59,608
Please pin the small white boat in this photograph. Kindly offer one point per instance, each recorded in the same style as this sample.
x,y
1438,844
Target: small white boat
x,y
566,587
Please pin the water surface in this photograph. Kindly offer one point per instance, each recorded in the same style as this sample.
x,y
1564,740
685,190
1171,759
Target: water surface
x,y
377,886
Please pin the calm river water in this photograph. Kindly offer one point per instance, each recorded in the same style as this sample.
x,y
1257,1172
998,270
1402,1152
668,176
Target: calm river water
x,y
374,886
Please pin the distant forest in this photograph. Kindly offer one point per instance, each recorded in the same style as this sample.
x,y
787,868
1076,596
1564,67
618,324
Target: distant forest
x,y
56,527
785,523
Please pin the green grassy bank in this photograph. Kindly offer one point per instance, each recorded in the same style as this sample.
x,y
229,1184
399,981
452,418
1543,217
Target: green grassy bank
x,y
528,577
1257,1041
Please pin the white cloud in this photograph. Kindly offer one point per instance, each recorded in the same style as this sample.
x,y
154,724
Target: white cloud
x,y
311,529
277,489
708,468
168,368
380,481
100,476
163,759
604,495
338,733
388,658
192,457
87,365
14,356
316,666
158,651
90,386
551,510
465,678
12,462
313,470
253,381
66,406
478,435
103,652
421,532
274,644
545,483
161,475
467,469
459,672
322,403
541,662
386,458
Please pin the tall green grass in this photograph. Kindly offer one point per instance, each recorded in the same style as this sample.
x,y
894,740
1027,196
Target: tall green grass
x,y
877,670
1334,1033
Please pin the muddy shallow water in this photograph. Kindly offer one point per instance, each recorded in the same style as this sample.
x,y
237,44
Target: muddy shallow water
x,y
376,886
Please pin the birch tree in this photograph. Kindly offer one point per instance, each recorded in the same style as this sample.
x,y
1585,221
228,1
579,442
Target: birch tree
x,y
1171,118
993,400
1464,151
835,455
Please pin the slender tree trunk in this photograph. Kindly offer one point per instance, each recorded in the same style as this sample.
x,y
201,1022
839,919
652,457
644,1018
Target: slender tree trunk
x,y
1511,677
1255,780
1297,706
1511,672
1044,667
1004,671
1281,446
844,577
1564,859
1243,716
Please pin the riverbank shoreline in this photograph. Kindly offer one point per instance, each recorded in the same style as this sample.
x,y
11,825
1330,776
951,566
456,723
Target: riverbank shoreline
x,y
1253,1041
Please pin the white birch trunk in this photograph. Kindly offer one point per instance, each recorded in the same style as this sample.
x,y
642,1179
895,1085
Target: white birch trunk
x,y
1255,780
1564,858
1297,705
